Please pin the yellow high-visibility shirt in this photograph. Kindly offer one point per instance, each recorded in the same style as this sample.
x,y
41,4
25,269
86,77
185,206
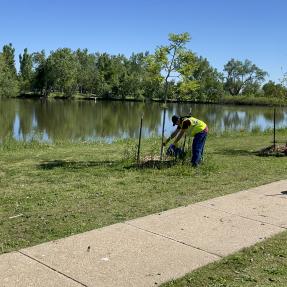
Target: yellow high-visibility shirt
x,y
196,126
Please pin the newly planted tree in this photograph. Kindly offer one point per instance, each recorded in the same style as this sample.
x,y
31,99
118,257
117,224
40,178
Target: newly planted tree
x,y
175,64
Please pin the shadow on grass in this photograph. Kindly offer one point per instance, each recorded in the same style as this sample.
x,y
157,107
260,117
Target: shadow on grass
x,y
236,152
76,164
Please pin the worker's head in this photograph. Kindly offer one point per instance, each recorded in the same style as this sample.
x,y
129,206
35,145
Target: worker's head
x,y
175,120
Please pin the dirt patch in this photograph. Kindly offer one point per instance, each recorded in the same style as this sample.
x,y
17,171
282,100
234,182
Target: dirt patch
x,y
277,150
155,162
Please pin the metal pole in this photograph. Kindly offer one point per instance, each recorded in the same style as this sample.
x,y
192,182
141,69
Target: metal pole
x,y
274,128
162,133
140,136
164,113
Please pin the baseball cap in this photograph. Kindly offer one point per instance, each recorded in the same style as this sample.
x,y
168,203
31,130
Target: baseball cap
x,y
174,119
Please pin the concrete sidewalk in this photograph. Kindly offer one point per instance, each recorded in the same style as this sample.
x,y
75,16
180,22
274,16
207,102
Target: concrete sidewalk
x,y
152,249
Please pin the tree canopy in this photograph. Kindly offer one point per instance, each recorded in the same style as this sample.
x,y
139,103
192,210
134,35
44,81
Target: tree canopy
x,y
241,75
172,72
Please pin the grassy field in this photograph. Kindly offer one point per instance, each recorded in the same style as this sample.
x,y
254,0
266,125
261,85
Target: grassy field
x,y
49,191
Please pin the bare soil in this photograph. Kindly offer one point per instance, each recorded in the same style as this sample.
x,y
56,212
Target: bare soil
x,y
277,150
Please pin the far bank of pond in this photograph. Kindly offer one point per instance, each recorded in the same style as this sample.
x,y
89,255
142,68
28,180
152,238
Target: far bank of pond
x,y
229,100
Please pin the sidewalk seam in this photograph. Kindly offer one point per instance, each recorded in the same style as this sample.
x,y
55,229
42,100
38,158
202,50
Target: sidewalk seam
x,y
172,239
53,269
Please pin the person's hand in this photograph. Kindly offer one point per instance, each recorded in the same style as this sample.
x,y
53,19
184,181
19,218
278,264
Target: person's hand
x,y
165,142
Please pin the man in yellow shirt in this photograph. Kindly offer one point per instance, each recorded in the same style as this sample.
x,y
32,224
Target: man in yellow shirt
x,y
198,130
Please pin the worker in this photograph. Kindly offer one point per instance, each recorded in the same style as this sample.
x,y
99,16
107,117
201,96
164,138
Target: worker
x,y
198,130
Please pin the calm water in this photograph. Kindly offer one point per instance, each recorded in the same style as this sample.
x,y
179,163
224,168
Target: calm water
x,y
89,120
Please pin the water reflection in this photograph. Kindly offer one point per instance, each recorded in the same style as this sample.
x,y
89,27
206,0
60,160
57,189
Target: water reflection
x,y
88,120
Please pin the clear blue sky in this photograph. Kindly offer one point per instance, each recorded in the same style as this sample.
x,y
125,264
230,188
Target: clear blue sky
x,y
220,29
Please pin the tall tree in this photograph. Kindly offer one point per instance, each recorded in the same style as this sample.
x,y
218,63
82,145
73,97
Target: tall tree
x,y
40,80
8,82
104,76
86,70
8,53
209,79
241,74
62,67
26,72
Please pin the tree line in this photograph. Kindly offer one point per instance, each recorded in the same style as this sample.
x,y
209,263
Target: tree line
x,y
141,76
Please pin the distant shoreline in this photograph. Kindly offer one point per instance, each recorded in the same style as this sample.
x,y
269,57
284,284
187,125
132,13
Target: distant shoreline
x,y
225,100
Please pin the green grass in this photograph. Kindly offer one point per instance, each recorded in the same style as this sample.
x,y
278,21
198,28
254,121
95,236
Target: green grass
x,y
262,265
66,188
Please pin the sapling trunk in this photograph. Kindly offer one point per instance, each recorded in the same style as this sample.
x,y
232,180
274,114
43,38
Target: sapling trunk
x,y
139,145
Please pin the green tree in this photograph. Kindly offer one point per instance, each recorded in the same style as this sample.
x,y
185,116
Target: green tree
x,y
8,53
274,90
40,79
112,79
26,72
175,62
209,79
240,75
104,75
8,83
133,77
62,67
86,73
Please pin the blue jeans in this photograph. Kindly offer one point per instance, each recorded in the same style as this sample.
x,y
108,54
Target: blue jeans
x,y
198,147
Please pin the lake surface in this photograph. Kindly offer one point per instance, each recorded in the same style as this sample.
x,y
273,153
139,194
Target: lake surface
x,y
49,120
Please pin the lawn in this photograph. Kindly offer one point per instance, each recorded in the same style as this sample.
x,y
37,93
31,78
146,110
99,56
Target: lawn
x,y
49,191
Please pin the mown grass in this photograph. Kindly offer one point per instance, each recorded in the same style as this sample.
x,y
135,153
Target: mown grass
x,y
49,191
262,265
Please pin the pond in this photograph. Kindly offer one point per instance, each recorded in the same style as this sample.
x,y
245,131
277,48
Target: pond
x,y
50,120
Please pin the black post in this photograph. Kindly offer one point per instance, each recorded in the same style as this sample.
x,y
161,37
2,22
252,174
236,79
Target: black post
x,y
274,128
162,133
164,113
140,136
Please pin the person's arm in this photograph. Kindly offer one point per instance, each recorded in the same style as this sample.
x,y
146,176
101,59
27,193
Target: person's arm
x,y
173,134
179,136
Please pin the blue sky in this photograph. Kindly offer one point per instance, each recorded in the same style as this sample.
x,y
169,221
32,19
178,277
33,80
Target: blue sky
x,y
220,29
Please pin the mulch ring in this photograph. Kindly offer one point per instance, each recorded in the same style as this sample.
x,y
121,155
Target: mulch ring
x,y
277,150
155,162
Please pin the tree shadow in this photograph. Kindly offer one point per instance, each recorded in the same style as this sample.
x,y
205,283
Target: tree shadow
x,y
47,165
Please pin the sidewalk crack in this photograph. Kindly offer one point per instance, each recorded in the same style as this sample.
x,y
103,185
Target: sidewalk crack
x,y
175,240
51,268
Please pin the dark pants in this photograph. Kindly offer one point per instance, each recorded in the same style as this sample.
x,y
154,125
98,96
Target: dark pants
x,y
198,147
